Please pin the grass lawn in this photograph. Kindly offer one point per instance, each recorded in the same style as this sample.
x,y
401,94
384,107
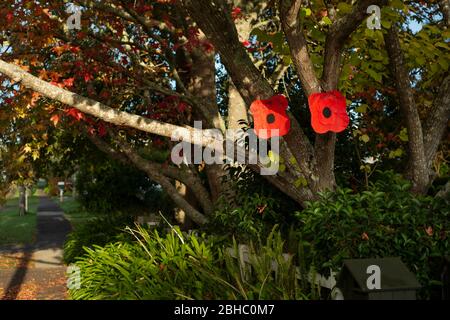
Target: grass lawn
x,y
15,229
73,211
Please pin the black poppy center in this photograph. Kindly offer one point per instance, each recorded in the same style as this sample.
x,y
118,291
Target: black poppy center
x,y
326,112
270,118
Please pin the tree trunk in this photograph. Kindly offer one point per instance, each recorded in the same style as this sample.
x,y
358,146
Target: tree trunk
x,y
237,110
180,215
202,84
417,161
436,123
22,210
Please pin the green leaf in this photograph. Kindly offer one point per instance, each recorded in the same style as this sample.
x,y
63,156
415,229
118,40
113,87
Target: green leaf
x,y
422,34
434,68
345,72
396,153
420,60
274,157
356,132
362,108
327,21
365,138
287,60
376,55
344,7
285,51
443,63
317,34
441,45
429,51
316,59
261,35
292,160
403,135
300,182
305,12
369,33
277,41
375,75
397,4
386,24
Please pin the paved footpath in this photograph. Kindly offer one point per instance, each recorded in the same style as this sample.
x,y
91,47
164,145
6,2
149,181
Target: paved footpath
x,y
37,271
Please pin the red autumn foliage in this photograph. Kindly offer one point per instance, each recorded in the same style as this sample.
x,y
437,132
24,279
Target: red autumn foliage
x,y
236,13
169,108
87,77
75,113
55,119
194,41
68,82
10,17
101,129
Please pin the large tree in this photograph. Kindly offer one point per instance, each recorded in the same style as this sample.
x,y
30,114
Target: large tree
x,y
139,70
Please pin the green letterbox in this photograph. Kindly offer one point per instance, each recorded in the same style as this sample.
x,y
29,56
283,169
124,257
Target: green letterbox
x,y
377,279
42,183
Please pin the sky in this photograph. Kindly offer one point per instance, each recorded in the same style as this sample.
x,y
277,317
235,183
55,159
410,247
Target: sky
x,y
415,26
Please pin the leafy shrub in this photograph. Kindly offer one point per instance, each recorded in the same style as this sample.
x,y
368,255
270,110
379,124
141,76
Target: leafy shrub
x,y
110,187
258,278
154,267
97,231
252,218
386,220
249,207
179,266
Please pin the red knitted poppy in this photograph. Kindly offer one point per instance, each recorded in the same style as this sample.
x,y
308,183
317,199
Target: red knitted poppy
x,y
270,115
328,112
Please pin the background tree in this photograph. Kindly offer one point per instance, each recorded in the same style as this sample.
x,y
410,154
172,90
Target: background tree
x,y
137,71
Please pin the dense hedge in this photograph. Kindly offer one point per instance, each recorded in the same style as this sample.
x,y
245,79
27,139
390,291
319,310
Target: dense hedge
x,y
98,231
386,220
111,187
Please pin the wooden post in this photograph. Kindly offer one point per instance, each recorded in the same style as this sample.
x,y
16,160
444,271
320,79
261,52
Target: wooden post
x,y
22,200
61,185
26,199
